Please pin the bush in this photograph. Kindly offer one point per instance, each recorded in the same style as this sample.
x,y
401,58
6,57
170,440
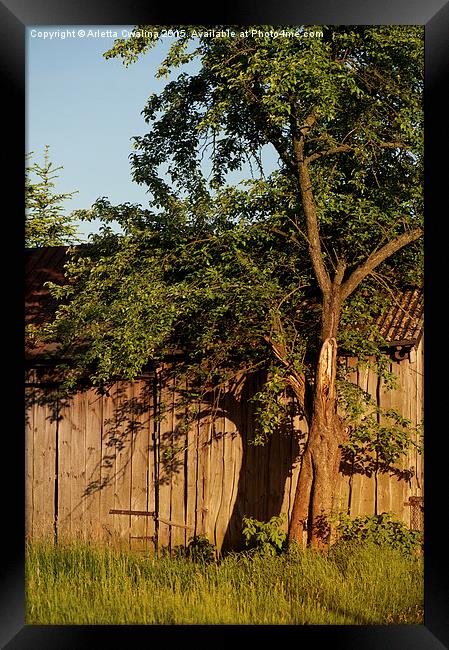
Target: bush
x,y
382,530
199,549
265,538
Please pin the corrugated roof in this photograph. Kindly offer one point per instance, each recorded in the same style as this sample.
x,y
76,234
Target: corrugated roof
x,y
403,322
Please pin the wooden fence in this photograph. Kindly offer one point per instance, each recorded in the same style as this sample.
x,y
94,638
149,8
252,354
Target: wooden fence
x,y
124,466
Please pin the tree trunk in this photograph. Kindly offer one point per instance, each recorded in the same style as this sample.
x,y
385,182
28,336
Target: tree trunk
x,y
320,463
318,477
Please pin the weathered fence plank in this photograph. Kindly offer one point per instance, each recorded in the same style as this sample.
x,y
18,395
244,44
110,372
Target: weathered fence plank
x,y
383,491
362,485
398,402
124,418
291,460
65,478
203,509
233,468
228,466
142,467
127,450
108,466
191,468
165,449
216,478
29,458
94,412
177,474
77,420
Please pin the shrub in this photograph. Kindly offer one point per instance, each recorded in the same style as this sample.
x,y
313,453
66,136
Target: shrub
x,y
199,549
382,530
265,538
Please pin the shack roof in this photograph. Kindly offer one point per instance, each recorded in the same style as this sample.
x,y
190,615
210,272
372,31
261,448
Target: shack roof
x,y
401,325
403,322
42,265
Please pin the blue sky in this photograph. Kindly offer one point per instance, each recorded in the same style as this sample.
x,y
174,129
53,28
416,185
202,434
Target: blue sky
x,y
87,109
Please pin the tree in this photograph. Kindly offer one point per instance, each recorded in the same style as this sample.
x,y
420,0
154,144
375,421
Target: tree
x,y
281,269
45,221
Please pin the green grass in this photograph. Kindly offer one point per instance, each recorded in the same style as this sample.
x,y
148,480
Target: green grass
x,y
89,585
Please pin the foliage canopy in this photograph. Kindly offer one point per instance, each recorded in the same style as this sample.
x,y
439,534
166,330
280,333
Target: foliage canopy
x,y
222,269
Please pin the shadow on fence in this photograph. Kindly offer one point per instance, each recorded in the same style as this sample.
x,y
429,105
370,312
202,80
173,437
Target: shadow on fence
x,y
111,423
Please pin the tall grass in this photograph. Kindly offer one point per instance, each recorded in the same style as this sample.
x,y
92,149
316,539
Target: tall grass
x,y
85,584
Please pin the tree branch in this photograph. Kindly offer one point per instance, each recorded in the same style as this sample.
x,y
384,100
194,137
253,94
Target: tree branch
x,y
294,378
286,235
393,145
339,272
376,258
313,234
298,134
344,148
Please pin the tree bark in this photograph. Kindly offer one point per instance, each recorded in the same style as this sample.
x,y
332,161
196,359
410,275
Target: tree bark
x,y
318,477
320,463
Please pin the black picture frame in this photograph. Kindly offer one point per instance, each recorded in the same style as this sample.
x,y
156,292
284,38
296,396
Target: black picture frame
x,y
15,17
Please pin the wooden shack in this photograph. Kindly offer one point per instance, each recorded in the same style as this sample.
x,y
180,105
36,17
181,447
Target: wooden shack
x,y
123,466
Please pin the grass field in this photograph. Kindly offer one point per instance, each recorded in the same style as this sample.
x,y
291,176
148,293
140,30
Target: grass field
x,y
81,584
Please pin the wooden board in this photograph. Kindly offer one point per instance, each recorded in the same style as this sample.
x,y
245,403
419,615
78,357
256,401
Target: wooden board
x,y
192,453
250,467
399,487
29,459
39,496
233,468
373,388
419,414
216,480
94,404
76,419
203,511
229,481
260,477
124,418
362,501
165,447
384,489
142,468
65,479
346,478
108,467
291,445
179,535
